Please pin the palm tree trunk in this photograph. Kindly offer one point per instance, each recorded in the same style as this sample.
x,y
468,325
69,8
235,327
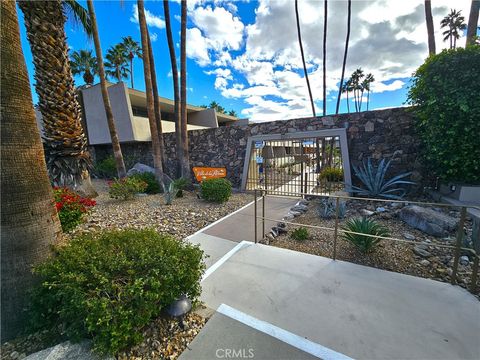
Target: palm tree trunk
x,y
29,222
119,77
430,29
157,154
368,98
117,150
344,63
183,91
131,72
473,22
68,159
451,37
303,58
325,16
348,104
156,100
176,93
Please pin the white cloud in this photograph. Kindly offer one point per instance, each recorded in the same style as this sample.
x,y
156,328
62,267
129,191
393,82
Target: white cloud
x,y
379,87
153,37
197,47
152,20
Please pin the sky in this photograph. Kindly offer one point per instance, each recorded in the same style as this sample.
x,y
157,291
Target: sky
x,y
245,54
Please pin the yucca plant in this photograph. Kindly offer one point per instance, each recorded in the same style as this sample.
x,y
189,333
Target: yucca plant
x,y
364,226
376,185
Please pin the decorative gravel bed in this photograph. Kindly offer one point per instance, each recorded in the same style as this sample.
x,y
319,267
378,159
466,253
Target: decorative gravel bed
x,y
402,257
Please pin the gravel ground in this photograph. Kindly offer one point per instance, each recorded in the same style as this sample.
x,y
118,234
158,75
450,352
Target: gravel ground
x,y
163,337
388,255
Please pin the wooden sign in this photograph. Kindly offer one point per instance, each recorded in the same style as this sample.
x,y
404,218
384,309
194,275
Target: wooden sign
x,y
204,173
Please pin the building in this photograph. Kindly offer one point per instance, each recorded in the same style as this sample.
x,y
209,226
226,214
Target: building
x,y
129,108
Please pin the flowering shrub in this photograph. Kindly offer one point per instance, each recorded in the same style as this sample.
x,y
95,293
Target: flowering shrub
x,y
126,188
71,207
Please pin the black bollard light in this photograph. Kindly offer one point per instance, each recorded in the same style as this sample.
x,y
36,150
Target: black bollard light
x,y
179,308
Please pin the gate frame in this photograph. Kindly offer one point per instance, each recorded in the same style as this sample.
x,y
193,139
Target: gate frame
x,y
340,132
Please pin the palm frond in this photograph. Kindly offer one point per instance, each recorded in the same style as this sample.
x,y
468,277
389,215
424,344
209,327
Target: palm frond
x,y
79,15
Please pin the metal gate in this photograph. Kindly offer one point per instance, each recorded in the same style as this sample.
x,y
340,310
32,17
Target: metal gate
x,y
296,163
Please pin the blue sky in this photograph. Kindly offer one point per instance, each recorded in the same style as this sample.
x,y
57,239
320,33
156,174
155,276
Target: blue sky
x,y
245,55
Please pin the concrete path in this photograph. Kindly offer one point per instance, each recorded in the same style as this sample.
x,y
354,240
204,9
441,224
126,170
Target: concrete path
x,y
340,307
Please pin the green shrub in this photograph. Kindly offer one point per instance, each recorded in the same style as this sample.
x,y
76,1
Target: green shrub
x,y
364,226
126,188
445,98
299,234
108,285
217,190
180,184
153,187
106,168
331,174
71,207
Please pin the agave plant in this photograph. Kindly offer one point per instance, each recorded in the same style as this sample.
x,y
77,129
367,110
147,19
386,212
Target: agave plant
x,y
367,227
170,193
327,208
376,185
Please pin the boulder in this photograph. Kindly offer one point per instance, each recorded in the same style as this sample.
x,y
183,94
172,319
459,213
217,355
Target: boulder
x,y
427,220
420,251
299,208
67,350
365,212
140,168
408,236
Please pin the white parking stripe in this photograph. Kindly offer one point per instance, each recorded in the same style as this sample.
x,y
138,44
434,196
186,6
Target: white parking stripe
x,y
287,337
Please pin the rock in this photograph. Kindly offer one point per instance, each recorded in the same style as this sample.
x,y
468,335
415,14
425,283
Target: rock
x,y
408,236
281,225
279,230
425,262
420,251
140,168
299,208
396,205
294,213
381,209
427,220
67,350
303,202
464,260
365,212
288,217
273,232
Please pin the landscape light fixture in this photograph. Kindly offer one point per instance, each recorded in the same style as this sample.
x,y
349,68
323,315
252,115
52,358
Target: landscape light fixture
x,y
179,308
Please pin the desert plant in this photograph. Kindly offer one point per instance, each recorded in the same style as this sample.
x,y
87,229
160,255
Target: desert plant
x,y
364,226
447,120
375,182
170,193
216,190
106,168
126,188
109,285
71,207
331,174
327,208
299,234
153,187
180,184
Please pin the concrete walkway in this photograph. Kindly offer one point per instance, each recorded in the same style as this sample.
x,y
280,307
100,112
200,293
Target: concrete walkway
x,y
314,305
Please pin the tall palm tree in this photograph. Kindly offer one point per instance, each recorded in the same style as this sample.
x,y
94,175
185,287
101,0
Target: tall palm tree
x,y
185,161
356,83
344,63
117,151
325,16
473,22
68,159
132,49
299,33
157,155
430,29
176,90
156,100
116,64
369,79
29,222
84,63
454,22
347,87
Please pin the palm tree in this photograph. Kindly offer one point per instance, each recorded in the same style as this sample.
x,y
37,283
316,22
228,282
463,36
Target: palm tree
x,y
356,83
325,13
68,159
232,113
185,161
218,108
344,63
303,58
116,63
454,22
29,222
132,49
84,63
473,22
430,29
176,90
366,87
117,151
347,87
157,155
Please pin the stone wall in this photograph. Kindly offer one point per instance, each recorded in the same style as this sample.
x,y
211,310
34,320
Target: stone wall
x,y
377,134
